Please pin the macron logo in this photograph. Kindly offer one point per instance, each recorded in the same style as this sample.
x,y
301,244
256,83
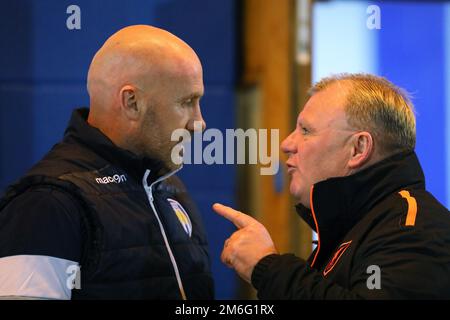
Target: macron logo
x,y
111,179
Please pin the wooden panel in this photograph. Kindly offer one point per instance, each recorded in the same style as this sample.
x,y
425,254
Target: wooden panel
x,y
269,63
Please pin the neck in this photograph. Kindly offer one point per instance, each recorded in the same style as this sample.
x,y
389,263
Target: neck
x,y
113,130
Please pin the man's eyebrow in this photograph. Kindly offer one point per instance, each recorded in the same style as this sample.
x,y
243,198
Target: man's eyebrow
x,y
192,96
305,124
302,122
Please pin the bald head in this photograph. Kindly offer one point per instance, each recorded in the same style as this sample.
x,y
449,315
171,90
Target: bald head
x,y
143,84
136,55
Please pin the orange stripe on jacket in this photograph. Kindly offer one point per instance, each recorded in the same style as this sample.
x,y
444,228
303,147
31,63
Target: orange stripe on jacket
x,y
412,208
339,252
317,226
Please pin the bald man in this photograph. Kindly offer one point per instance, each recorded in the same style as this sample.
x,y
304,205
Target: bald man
x,y
103,216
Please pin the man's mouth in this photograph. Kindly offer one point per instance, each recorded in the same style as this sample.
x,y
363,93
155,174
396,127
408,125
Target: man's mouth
x,y
290,167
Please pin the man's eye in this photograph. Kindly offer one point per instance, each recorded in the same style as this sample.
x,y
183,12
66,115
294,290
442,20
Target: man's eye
x,y
304,130
188,102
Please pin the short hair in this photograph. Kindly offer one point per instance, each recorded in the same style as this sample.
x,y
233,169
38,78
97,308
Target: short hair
x,y
376,105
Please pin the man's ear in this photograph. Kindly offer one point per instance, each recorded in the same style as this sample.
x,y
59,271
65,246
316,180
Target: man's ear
x,y
128,102
362,149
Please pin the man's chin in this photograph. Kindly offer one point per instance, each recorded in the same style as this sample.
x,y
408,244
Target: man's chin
x,y
294,191
299,196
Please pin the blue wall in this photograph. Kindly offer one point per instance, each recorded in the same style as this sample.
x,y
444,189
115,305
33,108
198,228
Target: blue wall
x,y
43,70
411,53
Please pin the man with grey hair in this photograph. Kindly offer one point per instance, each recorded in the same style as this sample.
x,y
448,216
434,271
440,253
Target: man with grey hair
x,y
360,186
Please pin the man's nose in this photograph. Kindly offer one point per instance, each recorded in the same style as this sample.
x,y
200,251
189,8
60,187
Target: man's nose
x,y
196,123
288,144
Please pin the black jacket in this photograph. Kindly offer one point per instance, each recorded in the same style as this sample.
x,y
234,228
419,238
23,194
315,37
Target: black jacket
x,y
136,233
381,236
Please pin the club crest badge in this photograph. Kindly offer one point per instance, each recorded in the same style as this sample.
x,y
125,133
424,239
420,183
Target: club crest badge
x,y
182,216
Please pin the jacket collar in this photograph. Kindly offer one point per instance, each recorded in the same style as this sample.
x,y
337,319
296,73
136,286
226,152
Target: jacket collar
x,y
80,131
339,203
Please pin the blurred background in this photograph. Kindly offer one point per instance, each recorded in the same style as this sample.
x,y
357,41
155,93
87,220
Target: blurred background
x,y
259,57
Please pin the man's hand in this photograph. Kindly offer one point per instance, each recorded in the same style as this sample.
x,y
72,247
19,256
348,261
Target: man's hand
x,y
245,247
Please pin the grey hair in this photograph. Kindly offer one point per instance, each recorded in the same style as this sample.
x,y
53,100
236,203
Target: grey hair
x,y
376,105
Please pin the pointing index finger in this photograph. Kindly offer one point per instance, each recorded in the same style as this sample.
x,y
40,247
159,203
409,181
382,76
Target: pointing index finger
x,y
239,219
